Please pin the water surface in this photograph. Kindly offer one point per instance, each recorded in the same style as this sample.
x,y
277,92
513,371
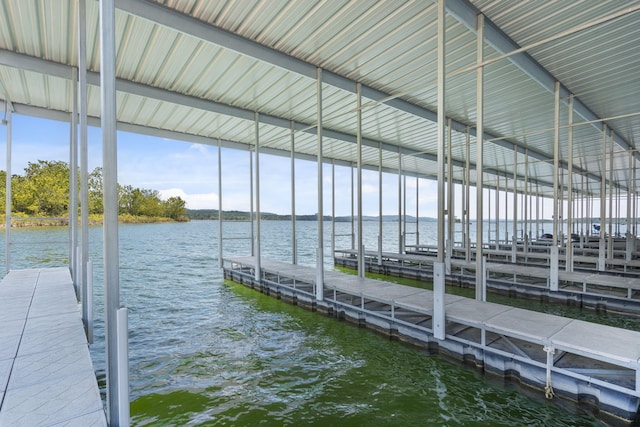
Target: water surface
x,y
208,352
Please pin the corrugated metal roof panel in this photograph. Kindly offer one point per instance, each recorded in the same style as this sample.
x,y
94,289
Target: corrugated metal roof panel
x,y
389,46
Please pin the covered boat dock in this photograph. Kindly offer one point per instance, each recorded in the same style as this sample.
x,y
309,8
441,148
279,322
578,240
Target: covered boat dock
x,y
516,120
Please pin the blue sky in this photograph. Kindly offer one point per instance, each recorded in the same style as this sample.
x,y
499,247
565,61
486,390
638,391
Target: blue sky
x,y
190,171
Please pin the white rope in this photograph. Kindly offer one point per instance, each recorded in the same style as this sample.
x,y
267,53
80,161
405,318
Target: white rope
x,y
548,389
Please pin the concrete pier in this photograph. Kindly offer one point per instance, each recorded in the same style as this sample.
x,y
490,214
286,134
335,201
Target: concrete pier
x,y
592,365
46,374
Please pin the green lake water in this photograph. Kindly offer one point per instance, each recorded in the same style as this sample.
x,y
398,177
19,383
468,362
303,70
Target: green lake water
x,y
208,352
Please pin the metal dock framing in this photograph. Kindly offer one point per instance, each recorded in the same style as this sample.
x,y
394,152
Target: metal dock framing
x,y
594,365
46,374
609,290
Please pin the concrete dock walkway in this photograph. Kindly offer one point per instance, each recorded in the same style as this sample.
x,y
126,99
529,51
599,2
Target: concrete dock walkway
x,y
46,374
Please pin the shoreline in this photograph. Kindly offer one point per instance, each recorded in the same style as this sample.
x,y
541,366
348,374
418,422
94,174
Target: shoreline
x,y
25,222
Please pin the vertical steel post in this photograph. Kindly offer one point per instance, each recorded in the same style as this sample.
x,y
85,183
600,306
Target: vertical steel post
x,y
480,285
87,296
553,279
537,211
514,237
569,252
320,249
635,204
380,203
467,196
399,201
417,210
611,189
251,199
556,159
450,215
404,211
258,268
294,249
333,207
359,166
498,211
220,214
603,201
73,184
123,361
629,201
8,194
89,307
438,320
353,214
110,200
527,196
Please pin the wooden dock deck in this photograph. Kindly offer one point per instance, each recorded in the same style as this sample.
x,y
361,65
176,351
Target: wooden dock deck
x,y
46,374
583,361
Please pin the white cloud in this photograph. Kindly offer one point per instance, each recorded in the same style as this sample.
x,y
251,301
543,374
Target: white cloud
x,y
194,201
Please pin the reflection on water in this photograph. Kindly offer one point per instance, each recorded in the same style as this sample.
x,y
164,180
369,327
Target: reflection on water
x,y
208,352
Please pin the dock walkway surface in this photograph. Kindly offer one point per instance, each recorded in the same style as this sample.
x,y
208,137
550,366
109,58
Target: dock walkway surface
x,y
579,358
609,284
46,374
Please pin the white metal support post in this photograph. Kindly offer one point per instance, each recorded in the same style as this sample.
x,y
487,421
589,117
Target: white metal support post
x,y
73,183
400,246
220,215
320,248
380,203
569,250
629,246
7,242
450,216
480,284
333,207
467,196
553,279
87,291
611,190
116,415
258,271
294,248
603,201
417,210
556,160
514,232
251,199
359,166
438,320
353,229
497,209
258,267
526,205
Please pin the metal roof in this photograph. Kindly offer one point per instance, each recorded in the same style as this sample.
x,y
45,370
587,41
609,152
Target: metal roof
x,y
199,71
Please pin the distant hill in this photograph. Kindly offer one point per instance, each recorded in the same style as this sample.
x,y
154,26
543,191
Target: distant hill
x,y
195,214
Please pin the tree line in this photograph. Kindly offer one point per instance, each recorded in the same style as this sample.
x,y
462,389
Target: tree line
x,y
43,191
